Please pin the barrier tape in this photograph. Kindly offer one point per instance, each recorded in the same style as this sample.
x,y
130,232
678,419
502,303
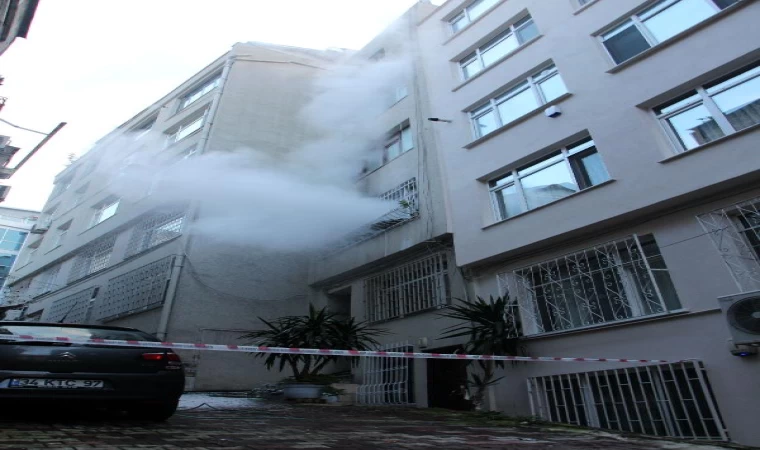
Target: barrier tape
x,y
316,351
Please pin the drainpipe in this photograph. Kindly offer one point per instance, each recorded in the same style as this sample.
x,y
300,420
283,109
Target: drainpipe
x,y
171,290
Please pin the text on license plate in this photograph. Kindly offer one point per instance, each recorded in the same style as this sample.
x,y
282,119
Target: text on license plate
x,y
62,384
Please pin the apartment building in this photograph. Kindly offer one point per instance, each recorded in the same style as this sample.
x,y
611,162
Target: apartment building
x,y
15,18
602,171
111,249
15,225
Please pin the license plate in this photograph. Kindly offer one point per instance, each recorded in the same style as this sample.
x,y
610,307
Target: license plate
x,y
46,383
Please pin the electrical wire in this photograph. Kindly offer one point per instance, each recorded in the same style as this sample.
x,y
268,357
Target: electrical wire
x,y
22,128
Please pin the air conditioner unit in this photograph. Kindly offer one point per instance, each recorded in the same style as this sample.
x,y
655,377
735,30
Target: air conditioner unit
x,y
4,190
41,226
742,312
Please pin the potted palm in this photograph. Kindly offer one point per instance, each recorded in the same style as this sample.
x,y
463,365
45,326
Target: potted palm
x,y
318,329
491,330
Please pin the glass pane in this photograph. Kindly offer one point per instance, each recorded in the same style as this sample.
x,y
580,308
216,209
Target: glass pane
x,y
189,129
734,79
478,8
508,202
517,106
550,184
503,48
723,4
527,32
677,18
593,169
677,104
471,68
15,236
695,127
12,246
407,142
624,45
741,104
108,211
486,123
459,23
552,88
393,150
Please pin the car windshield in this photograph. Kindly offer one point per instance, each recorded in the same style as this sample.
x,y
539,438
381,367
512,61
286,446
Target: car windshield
x,y
78,332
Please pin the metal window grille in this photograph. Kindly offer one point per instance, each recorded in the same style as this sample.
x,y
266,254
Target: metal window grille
x,y
155,229
416,286
387,381
661,400
45,282
735,232
614,281
406,198
93,257
69,309
135,291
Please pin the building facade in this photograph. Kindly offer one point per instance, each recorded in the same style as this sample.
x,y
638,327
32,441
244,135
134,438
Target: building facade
x,y
602,171
595,161
114,250
15,225
15,18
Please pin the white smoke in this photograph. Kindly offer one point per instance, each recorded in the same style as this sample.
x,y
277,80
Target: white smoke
x,y
303,199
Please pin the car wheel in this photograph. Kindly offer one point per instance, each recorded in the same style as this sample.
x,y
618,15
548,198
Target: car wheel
x,y
155,412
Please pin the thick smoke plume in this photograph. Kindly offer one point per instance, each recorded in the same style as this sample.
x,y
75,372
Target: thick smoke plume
x,y
302,199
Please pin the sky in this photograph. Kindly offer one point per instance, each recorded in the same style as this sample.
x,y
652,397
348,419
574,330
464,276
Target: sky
x,y
94,64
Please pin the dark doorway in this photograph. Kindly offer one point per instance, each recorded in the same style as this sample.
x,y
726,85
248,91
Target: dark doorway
x,y
446,379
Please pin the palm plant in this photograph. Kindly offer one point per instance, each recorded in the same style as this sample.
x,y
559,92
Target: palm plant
x,y
491,330
318,329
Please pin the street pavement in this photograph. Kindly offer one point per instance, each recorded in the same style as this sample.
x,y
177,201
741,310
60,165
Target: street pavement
x,y
209,422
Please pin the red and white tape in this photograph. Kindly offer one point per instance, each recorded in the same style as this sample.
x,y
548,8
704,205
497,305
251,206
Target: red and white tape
x,y
317,351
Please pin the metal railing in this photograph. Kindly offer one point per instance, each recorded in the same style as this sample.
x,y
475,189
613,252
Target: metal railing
x,y
135,291
735,232
70,309
672,400
93,257
406,198
387,381
155,229
412,287
615,281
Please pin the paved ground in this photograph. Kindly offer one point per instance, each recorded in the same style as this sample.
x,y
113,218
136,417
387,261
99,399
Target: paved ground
x,y
252,424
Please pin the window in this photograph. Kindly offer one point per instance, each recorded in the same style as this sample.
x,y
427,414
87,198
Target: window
x,y
671,399
470,13
12,240
155,229
187,129
59,237
105,211
414,287
560,174
658,23
144,128
196,94
499,47
735,233
400,142
541,88
378,55
607,283
717,109
92,258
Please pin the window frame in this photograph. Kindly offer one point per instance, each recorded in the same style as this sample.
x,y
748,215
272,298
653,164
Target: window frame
x,y
705,98
397,137
477,54
569,156
214,81
173,139
637,22
100,209
465,14
533,82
